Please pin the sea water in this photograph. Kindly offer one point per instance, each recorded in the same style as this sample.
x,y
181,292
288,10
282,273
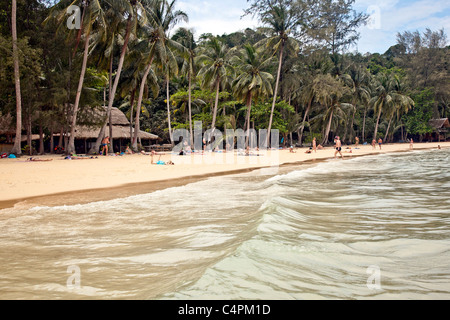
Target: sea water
x,y
373,227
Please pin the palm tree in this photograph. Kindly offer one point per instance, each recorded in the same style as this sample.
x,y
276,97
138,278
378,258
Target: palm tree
x,y
215,65
401,104
329,92
135,14
17,142
252,81
281,21
387,95
92,15
186,38
156,44
358,80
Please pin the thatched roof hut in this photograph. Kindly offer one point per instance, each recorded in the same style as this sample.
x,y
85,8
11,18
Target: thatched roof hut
x,y
118,132
440,127
86,136
439,123
120,129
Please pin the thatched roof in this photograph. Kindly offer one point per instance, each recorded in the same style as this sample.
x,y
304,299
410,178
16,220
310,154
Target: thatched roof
x,y
33,137
117,133
118,118
439,123
120,128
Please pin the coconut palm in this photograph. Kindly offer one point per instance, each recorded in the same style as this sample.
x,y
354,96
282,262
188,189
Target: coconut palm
x,y
92,17
329,93
387,95
281,20
119,12
156,43
252,81
401,104
357,78
186,38
215,67
17,142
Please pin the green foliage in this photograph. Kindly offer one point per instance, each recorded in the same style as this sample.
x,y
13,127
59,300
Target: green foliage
x,y
416,121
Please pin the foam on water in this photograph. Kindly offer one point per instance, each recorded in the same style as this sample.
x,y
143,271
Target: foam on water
x,y
310,232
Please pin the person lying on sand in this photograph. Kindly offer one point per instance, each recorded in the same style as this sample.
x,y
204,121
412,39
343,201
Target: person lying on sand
x,y
75,157
34,159
161,162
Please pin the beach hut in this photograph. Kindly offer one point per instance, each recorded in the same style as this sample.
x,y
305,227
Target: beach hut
x,y
85,137
8,133
440,128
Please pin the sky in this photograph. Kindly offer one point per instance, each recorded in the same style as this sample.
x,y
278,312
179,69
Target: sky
x,y
388,17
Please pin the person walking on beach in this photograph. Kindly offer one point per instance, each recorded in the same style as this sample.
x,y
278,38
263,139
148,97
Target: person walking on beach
x,y
356,141
373,144
338,147
314,144
411,144
105,143
380,142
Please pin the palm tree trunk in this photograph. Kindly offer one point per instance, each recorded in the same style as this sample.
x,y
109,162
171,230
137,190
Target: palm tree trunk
x,y
168,110
275,93
376,125
17,142
190,110
364,125
303,123
139,104
216,104
387,130
112,92
71,146
327,131
247,121
41,139
133,93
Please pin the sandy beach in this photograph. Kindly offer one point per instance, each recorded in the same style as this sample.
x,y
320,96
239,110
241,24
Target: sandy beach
x,y
58,181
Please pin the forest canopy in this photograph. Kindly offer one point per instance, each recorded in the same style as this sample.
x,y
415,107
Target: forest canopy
x,y
294,73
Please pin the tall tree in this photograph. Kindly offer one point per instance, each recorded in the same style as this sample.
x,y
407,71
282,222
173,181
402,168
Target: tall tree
x,y
92,15
215,66
186,38
134,13
17,142
156,44
253,81
281,18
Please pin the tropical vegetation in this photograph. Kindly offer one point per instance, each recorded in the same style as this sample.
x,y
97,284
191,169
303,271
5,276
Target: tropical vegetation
x,y
295,73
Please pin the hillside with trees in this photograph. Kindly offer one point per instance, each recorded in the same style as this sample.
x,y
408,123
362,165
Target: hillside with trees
x,y
295,73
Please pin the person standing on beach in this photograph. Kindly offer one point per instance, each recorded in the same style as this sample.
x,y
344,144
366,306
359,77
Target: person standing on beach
x,y
356,141
338,147
411,144
380,142
105,143
373,144
314,144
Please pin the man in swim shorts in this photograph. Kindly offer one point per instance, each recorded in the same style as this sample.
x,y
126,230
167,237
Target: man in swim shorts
x,y
338,147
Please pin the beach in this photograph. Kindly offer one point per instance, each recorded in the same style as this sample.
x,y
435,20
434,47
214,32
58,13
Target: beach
x,y
367,227
58,181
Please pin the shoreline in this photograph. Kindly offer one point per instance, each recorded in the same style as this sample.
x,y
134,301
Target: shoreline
x,y
26,184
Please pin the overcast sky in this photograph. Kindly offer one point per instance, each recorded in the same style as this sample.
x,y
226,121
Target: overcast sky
x,y
388,18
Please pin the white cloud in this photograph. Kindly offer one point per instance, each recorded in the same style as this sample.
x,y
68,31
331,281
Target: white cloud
x,y
399,16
